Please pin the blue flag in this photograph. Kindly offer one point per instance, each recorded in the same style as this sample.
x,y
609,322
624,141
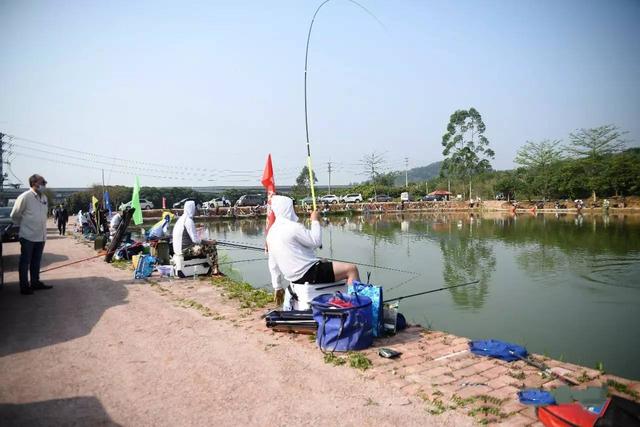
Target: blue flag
x,y
107,202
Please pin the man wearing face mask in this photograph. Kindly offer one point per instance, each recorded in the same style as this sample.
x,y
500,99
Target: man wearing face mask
x,y
30,213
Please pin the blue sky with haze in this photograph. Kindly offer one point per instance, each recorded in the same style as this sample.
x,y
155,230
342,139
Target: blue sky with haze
x,y
212,87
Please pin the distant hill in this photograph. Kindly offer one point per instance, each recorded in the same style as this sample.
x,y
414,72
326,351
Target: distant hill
x,y
422,173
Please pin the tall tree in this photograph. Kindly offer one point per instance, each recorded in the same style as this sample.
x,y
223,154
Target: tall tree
x,y
466,149
372,165
593,146
539,158
303,186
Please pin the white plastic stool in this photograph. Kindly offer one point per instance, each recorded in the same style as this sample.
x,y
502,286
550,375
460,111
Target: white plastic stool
x,y
200,266
306,292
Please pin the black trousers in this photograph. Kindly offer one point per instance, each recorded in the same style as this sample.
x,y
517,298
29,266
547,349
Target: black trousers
x,y
30,258
62,226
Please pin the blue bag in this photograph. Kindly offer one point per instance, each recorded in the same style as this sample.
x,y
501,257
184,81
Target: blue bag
x,y
342,329
499,349
375,294
145,267
536,397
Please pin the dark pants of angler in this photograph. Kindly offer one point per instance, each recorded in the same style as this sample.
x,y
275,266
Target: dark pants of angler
x,y
30,257
62,226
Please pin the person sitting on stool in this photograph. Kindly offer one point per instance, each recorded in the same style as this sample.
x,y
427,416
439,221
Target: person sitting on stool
x,y
186,240
292,251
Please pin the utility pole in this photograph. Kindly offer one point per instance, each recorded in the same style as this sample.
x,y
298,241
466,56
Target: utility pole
x,y
1,162
329,170
103,206
426,187
406,172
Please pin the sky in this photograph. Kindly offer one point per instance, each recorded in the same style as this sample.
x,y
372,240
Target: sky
x,y
198,93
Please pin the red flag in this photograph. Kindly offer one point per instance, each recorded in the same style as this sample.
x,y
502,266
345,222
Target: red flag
x,y
267,177
269,183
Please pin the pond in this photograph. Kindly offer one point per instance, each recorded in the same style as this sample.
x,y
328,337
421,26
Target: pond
x,y
565,286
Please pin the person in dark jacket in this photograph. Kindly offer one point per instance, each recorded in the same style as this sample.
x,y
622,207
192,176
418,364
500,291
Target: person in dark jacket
x,y
61,217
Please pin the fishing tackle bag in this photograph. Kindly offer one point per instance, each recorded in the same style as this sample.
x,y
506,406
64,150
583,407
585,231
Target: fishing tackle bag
x,y
343,329
145,267
375,294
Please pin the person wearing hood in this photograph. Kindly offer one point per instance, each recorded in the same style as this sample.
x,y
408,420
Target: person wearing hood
x,y
30,213
161,229
116,219
186,240
292,251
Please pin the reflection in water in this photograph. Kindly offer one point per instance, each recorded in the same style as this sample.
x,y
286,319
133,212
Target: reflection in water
x,y
467,259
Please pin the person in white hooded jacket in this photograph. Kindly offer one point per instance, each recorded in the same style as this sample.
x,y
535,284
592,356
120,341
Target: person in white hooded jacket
x,y
186,240
292,251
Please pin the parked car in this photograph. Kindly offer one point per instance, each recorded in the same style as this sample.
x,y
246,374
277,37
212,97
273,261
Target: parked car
x,y
251,200
405,197
216,202
306,201
11,230
352,198
180,204
144,204
329,198
432,198
381,198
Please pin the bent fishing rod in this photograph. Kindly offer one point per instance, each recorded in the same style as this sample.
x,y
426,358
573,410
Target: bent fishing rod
x,y
432,291
257,248
306,114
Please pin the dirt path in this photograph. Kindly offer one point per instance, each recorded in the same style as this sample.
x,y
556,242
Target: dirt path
x,y
102,349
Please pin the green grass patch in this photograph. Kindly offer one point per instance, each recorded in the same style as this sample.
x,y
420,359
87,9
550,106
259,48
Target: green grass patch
x,y
355,360
487,410
459,401
203,309
334,360
436,407
248,296
359,361
623,388
519,375
583,378
122,264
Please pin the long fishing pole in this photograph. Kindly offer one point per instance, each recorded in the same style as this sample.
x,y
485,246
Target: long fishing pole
x,y
306,113
257,248
74,262
431,291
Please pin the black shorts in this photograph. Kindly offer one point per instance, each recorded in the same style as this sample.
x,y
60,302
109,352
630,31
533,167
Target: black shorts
x,y
320,272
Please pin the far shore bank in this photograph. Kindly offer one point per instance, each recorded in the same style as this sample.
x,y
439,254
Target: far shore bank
x,y
567,207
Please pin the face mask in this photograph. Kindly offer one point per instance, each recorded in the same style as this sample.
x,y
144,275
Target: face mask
x,y
41,188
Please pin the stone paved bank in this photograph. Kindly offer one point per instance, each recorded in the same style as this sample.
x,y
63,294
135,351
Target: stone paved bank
x,y
437,370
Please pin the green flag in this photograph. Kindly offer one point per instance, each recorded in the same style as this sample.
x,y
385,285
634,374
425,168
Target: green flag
x,y
135,203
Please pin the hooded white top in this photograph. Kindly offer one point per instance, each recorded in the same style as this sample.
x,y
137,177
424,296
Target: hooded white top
x,y
185,222
291,245
158,231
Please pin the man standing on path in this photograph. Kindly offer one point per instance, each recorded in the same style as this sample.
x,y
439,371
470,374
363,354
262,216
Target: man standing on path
x,y
30,213
62,217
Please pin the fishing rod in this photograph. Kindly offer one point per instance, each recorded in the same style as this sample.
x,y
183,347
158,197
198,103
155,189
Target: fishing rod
x,y
306,114
431,291
257,248
74,262
242,260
